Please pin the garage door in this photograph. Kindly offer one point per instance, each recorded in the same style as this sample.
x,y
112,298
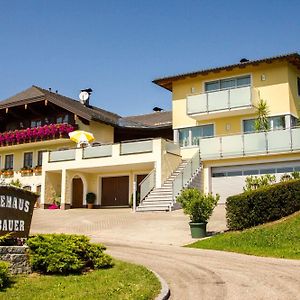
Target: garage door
x,y
115,191
228,181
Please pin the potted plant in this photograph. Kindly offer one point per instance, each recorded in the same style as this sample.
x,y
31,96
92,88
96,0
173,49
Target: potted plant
x,y
199,207
90,199
7,172
38,170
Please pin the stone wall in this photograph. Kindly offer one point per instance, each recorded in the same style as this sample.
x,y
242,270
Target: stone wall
x,y
18,258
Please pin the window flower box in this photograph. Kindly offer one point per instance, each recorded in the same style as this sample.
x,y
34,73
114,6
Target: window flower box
x,y
46,132
26,171
7,173
37,170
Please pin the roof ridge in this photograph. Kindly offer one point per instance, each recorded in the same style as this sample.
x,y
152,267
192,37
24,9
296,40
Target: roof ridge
x,y
140,115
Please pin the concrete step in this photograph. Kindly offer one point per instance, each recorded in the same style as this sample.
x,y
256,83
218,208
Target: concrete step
x,y
152,208
155,203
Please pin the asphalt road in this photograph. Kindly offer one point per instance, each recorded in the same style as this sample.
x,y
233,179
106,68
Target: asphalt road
x,y
155,239
205,274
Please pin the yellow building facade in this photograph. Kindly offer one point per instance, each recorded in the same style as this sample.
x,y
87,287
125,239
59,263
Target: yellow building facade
x,y
214,111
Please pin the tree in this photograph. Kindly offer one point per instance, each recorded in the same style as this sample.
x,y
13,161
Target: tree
x,y
262,121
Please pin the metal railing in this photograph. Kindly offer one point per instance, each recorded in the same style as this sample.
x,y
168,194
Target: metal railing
x,y
276,141
221,100
147,185
183,179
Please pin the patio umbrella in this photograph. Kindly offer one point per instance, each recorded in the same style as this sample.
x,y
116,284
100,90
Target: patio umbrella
x,y
81,137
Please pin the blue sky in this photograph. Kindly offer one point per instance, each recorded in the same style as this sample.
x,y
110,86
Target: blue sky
x,y
118,47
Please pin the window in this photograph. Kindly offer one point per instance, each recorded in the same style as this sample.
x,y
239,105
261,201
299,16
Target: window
x,y
298,85
229,83
28,160
248,125
35,123
62,119
40,157
184,137
192,136
275,123
9,161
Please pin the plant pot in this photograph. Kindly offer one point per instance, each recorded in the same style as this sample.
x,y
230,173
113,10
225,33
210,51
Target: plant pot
x,y
90,206
198,230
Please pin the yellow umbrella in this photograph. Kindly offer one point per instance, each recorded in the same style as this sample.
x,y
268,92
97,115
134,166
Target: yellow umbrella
x,y
81,137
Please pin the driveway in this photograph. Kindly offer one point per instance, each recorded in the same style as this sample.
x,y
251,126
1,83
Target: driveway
x,y
155,239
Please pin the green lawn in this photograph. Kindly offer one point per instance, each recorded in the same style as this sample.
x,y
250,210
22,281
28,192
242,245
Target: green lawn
x,y
123,281
276,239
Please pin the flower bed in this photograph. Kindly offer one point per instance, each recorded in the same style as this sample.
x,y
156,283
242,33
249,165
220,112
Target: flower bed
x,y
35,134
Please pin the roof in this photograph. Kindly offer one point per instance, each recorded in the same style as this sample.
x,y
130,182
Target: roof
x,y
37,94
166,82
157,119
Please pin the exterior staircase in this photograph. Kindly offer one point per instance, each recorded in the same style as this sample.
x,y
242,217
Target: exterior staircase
x,y
164,198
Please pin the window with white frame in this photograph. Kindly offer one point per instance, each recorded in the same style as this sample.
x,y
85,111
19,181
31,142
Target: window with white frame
x,y
227,83
191,136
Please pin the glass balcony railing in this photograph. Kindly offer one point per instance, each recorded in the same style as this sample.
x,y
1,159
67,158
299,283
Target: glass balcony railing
x,y
277,141
42,133
242,97
62,155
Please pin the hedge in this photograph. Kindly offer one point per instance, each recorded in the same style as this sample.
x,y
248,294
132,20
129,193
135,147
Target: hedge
x,y
263,205
4,274
63,253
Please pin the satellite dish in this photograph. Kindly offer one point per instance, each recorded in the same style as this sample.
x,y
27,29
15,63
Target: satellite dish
x,y
84,96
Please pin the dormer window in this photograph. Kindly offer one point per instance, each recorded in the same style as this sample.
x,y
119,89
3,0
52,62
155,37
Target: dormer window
x,y
228,83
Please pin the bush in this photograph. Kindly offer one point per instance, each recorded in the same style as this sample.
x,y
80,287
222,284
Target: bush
x,y
255,182
4,275
62,253
263,205
90,198
197,205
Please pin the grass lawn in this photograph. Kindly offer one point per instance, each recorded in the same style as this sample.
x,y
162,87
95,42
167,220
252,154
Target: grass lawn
x,y
123,281
277,239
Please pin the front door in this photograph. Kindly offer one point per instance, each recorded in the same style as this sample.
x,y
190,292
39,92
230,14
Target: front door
x,y
77,193
115,191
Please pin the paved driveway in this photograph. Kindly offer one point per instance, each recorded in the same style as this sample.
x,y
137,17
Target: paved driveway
x,y
154,240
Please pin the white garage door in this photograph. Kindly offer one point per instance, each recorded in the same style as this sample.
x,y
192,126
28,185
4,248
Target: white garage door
x,y
228,181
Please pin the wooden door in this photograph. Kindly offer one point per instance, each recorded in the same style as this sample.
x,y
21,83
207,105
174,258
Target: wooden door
x,y
77,193
115,191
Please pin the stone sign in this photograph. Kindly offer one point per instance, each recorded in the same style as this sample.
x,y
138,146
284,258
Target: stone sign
x,y
16,208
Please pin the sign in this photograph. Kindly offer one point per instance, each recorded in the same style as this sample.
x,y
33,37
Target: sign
x,y
16,208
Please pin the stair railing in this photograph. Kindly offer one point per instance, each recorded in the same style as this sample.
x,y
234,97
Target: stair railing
x,y
185,176
147,185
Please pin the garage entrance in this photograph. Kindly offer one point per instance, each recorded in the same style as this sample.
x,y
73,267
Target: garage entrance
x,y
228,181
115,191
77,193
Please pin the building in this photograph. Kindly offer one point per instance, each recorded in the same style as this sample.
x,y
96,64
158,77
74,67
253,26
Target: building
x,y
38,120
214,112
214,147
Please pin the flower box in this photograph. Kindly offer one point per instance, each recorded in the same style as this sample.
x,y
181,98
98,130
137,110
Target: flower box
x,y
7,173
37,170
26,172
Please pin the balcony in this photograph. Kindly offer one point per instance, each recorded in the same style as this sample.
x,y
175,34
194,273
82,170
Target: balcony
x,y
42,133
222,103
251,144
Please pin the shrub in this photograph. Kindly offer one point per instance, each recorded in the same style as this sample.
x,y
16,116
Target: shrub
x,y
4,274
90,198
255,182
263,205
197,205
62,253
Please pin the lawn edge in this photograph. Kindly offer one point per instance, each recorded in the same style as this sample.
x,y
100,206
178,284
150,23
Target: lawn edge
x,y
165,290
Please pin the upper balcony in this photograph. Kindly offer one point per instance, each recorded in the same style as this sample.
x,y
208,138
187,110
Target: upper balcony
x,y
36,134
223,103
250,144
